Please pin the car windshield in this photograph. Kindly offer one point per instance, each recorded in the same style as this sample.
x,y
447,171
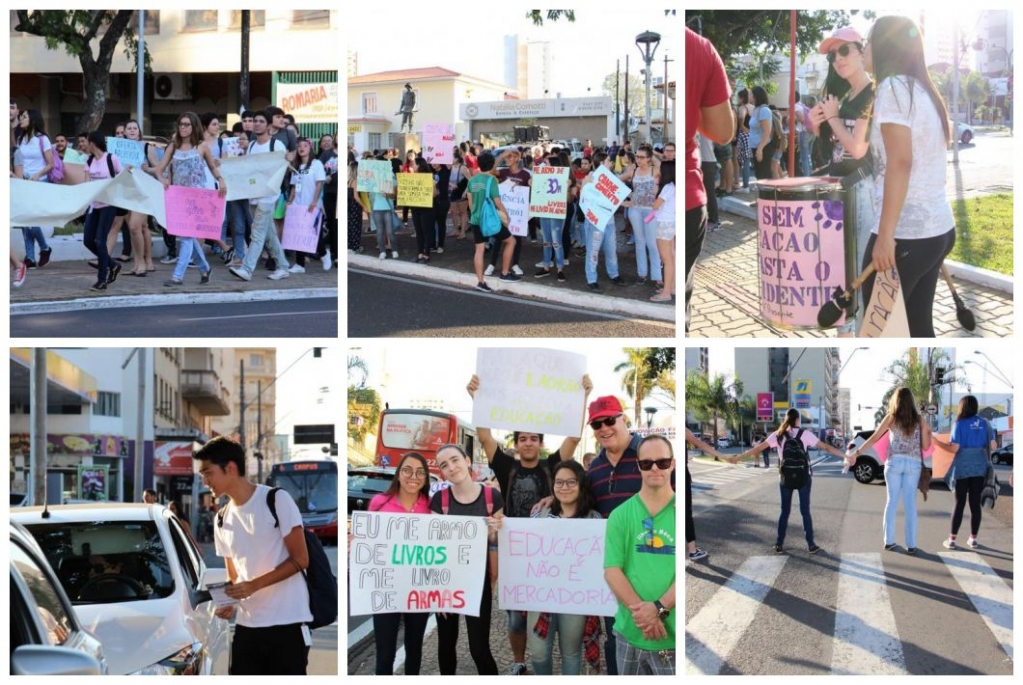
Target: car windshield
x,y
369,483
103,562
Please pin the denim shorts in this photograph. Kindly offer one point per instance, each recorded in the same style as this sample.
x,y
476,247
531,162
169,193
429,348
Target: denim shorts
x,y
516,622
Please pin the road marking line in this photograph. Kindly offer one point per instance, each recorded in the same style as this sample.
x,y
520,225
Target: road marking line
x,y
716,629
261,316
866,639
990,595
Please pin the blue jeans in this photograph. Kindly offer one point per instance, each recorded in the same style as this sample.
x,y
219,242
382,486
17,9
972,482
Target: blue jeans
x,y
594,241
901,477
237,218
569,628
804,510
384,219
97,226
805,142
746,171
185,249
648,259
552,247
33,235
263,231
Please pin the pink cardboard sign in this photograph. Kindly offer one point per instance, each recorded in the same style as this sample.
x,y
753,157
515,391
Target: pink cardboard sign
x,y
439,143
801,246
194,212
301,229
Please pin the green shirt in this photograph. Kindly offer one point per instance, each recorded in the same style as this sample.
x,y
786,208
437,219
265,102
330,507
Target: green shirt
x,y
644,549
478,189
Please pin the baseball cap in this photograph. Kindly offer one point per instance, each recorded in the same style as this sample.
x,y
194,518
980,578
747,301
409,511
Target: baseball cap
x,y
603,407
846,34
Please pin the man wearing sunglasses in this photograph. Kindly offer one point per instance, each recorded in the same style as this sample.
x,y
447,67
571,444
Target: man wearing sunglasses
x,y
639,566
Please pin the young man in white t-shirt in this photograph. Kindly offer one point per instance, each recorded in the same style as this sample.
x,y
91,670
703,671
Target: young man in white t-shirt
x,y
264,566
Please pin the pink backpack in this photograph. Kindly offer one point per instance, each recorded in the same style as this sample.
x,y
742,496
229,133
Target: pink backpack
x,y
56,174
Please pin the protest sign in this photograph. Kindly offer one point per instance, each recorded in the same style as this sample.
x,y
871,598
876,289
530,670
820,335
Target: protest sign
x,y
130,152
530,389
438,143
51,204
230,147
885,315
416,563
375,176
415,190
601,198
516,203
194,212
301,229
554,565
253,176
75,157
549,197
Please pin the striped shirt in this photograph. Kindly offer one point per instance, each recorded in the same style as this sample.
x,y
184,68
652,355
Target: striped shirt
x,y
613,485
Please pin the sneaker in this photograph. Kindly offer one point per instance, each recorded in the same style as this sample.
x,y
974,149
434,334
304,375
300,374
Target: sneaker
x,y
540,265
112,273
19,275
44,257
713,226
618,280
640,281
30,263
227,255
517,669
296,269
813,549
972,543
483,287
394,254
168,259
489,271
540,273
517,270
241,272
204,277
561,277
511,277
327,263
383,255
777,549
594,287
99,286
566,261
951,544
911,551
170,283
697,555
279,274
439,250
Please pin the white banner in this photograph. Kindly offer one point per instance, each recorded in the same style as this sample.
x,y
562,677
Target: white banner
x,y
530,389
600,199
516,203
252,176
50,204
416,563
554,565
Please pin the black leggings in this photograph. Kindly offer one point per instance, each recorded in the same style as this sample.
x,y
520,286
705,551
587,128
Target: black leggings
x,y
385,634
422,219
710,170
968,488
696,230
690,527
918,263
762,169
478,628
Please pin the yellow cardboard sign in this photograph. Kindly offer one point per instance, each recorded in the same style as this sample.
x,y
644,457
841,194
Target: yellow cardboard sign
x,y
415,190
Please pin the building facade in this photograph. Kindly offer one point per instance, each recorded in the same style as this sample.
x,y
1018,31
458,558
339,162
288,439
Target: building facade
x,y
804,378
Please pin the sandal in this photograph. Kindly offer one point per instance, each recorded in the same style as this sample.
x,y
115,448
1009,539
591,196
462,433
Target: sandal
x,y
124,259
140,274
661,297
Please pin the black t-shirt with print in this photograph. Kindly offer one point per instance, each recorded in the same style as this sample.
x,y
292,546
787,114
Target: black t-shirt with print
x,y
851,109
530,485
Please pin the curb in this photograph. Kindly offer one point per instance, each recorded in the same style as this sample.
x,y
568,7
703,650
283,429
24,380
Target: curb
x,y
971,274
72,248
58,306
588,301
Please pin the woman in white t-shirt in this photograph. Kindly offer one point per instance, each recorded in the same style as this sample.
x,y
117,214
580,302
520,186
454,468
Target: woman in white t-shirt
x,y
306,191
914,229
37,161
790,430
664,210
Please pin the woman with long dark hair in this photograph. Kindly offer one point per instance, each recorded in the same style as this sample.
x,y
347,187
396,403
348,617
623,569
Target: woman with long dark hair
x,y
307,191
423,217
915,229
761,139
694,552
355,207
100,218
37,162
910,438
790,430
971,442
409,493
329,159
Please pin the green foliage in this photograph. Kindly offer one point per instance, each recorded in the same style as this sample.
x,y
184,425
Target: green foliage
x,y
551,15
708,398
646,371
364,403
637,104
915,370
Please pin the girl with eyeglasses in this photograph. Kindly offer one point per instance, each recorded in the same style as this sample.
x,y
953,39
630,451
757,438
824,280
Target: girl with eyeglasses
x,y
306,190
409,493
644,181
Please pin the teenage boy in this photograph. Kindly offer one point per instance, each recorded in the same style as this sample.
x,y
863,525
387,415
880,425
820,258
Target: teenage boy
x,y
477,192
264,565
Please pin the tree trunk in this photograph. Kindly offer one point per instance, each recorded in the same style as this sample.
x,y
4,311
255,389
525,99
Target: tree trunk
x,y
94,102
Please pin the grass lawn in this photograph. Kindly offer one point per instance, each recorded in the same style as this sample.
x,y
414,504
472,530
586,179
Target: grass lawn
x,y
984,232
68,229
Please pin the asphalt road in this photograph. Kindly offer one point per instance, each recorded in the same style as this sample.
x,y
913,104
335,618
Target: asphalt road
x,y
387,306
312,318
853,607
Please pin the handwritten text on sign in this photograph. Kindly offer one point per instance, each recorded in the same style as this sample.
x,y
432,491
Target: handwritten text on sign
x,y
375,176
516,203
301,229
530,389
885,315
600,198
416,563
415,190
74,157
549,198
802,258
194,212
439,143
130,152
554,565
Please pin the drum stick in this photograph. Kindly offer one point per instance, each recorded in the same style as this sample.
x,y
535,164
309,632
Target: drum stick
x,y
832,311
963,314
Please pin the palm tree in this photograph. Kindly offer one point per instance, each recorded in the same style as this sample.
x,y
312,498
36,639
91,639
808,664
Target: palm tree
x,y
914,370
635,380
357,365
708,398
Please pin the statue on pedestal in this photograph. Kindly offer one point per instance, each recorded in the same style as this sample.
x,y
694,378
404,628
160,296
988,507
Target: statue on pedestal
x,y
407,107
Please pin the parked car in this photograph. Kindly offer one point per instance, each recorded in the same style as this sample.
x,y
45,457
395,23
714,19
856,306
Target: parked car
x,y
1002,455
724,443
965,133
47,636
868,466
369,481
137,580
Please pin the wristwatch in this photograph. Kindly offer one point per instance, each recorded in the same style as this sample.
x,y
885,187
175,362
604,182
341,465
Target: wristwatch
x,y
662,613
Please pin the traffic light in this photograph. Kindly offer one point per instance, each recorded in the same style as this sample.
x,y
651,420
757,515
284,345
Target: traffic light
x,y
317,352
939,375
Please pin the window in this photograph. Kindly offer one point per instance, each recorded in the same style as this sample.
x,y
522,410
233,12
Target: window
x,y
310,19
51,610
374,141
255,360
187,556
108,404
257,19
369,103
200,20
152,22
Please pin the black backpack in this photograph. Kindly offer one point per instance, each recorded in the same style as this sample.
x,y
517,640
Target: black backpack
x,y
795,463
319,578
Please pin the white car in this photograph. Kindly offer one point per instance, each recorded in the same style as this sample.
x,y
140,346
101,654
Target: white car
x,y
136,580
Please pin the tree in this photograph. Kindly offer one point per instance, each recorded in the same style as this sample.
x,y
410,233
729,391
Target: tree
x,y
363,413
357,366
915,370
634,379
659,360
76,30
552,15
707,398
635,102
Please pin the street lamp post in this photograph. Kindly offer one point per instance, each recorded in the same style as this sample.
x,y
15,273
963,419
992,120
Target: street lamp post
x,y
650,411
1001,375
647,43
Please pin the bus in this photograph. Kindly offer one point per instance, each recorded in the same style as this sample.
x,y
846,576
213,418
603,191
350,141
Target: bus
x,y
312,483
424,431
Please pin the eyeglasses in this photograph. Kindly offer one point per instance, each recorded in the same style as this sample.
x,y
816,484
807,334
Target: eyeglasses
x,y
184,123
417,474
570,483
642,156
842,51
647,464
608,422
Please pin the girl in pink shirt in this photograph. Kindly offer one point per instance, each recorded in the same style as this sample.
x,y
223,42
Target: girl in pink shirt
x,y
101,166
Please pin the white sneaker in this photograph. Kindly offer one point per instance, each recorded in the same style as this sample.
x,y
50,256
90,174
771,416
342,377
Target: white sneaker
x,y
972,543
383,255
440,250
241,272
540,265
517,270
327,263
278,275
489,271
394,254
297,269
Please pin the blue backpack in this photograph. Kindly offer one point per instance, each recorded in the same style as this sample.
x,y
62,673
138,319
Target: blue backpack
x,y
490,220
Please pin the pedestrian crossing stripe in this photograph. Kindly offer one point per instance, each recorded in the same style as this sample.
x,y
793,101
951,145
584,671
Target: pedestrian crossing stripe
x,y
866,639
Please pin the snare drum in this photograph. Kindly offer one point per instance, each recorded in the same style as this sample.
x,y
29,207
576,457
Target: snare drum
x,y
805,251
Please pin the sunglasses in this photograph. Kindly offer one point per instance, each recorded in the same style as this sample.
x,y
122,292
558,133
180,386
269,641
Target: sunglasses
x,y
647,464
843,51
608,422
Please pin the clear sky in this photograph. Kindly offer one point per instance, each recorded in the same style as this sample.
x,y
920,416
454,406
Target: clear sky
x,y
584,52
311,392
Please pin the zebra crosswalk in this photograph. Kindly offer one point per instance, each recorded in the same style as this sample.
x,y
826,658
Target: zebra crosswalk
x,y
714,477
865,637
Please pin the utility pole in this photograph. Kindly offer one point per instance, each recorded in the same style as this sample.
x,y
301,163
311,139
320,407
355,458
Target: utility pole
x,y
664,135
37,437
259,431
628,129
618,102
140,429
241,403
244,75
140,80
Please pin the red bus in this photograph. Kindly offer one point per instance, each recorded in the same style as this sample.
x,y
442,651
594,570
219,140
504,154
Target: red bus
x,y
312,483
423,431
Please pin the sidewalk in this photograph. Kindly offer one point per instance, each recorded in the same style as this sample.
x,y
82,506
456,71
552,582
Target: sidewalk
x,y
726,300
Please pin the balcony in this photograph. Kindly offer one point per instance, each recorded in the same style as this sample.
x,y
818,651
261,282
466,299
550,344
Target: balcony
x,y
205,392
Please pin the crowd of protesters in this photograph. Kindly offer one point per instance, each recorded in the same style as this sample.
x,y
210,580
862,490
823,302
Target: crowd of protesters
x,y
190,156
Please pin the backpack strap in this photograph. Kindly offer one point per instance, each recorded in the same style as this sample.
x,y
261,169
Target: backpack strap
x,y
110,165
445,500
271,501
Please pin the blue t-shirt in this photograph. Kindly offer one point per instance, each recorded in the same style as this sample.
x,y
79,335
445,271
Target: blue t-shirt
x,y
763,113
973,435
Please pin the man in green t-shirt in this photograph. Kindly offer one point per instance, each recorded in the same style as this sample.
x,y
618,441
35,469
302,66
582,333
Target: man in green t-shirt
x,y
481,186
639,566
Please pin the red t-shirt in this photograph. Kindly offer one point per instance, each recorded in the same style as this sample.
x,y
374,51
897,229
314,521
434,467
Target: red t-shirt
x,y
706,86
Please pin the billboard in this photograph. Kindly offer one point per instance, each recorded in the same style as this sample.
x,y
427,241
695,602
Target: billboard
x,y
765,406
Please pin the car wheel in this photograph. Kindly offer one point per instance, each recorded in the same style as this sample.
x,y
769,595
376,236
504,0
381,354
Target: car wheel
x,y
863,471
966,138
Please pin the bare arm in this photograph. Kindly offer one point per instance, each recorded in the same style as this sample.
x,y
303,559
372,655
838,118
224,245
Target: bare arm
x,y
881,430
718,122
898,144
697,442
